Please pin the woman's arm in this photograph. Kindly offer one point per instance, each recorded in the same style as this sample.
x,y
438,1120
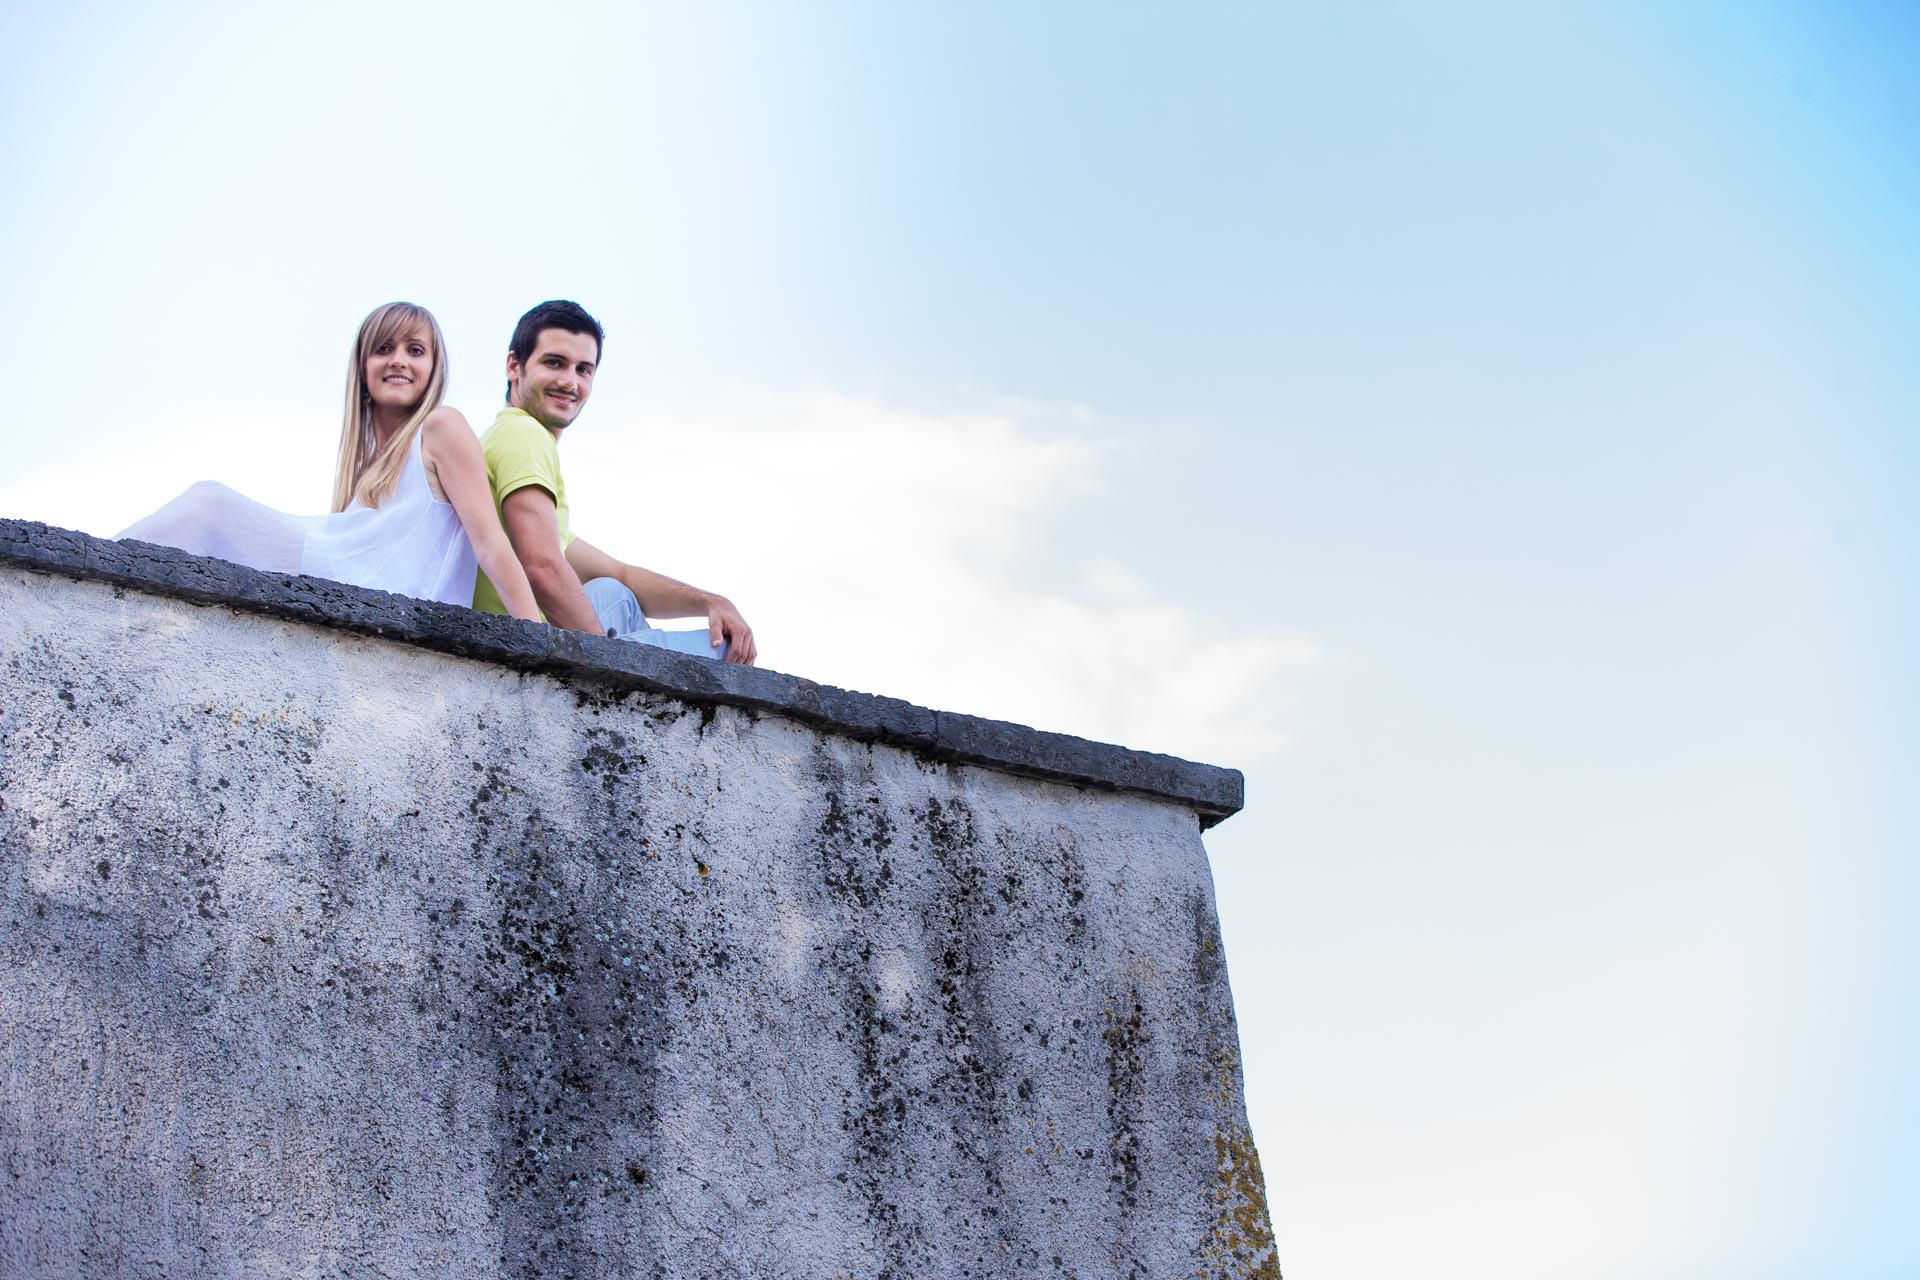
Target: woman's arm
x,y
452,456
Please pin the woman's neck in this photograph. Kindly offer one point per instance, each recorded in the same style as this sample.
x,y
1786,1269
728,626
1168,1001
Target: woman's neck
x,y
386,424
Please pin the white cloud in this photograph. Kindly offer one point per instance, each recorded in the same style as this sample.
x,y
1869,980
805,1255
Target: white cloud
x,y
878,548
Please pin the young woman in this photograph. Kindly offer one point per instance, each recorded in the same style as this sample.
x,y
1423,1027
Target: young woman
x,y
412,509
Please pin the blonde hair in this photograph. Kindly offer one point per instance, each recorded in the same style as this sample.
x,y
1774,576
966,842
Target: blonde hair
x,y
359,473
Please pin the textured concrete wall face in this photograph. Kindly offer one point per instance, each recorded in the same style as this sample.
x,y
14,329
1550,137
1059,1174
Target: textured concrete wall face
x,y
323,955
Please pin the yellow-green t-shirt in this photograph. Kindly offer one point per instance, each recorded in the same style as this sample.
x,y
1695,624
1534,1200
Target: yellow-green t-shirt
x,y
520,452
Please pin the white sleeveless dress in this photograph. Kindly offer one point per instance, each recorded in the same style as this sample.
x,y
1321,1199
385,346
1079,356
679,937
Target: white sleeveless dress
x,y
411,544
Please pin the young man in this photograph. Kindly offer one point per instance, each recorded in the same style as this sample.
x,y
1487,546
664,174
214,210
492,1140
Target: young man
x,y
550,368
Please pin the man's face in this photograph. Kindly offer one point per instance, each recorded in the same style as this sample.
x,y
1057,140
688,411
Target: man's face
x,y
557,378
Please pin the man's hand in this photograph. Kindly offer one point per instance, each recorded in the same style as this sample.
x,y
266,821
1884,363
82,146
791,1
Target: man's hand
x,y
724,623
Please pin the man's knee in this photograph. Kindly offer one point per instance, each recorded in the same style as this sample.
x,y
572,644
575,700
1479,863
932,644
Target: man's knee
x,y
614,604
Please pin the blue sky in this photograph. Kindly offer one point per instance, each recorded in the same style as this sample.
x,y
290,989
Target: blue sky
x,y
1492,426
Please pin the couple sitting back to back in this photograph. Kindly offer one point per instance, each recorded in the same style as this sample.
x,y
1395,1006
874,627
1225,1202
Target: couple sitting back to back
x,y
422,508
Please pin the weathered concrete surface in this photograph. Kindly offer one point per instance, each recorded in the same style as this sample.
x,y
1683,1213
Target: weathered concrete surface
x,y
1211,792
325,955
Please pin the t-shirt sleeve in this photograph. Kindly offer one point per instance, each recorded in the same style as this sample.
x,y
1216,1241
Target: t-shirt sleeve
x,y
520,452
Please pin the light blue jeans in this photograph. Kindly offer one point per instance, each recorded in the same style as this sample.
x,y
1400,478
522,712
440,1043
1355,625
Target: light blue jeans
x,y
620,614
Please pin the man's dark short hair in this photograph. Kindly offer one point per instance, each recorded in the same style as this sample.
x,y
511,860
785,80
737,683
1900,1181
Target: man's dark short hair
x,y
557,314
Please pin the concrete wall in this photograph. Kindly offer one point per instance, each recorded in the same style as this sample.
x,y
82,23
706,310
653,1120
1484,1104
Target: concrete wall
x,y
329,954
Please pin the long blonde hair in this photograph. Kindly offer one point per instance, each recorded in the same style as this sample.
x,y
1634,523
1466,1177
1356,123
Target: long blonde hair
x,y
359,473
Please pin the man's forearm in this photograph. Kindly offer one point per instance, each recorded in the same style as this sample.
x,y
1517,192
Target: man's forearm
x,y
565,604
528,515
664,597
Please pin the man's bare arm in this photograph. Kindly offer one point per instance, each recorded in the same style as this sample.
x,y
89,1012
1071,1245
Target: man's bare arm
x,y
664,597
534,529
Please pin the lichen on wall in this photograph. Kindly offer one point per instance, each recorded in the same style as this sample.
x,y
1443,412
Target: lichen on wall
x,y
327,956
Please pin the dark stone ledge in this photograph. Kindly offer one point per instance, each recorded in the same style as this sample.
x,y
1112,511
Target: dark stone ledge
x,y
1212,792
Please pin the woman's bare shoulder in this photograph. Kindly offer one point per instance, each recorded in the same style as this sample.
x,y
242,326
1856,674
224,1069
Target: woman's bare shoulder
x,y
445,430
444,419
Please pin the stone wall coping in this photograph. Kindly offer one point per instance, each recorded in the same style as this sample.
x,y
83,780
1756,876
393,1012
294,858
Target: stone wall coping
x,y
1213,793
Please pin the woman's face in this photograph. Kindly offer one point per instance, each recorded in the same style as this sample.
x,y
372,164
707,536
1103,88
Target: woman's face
x,y
398,369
